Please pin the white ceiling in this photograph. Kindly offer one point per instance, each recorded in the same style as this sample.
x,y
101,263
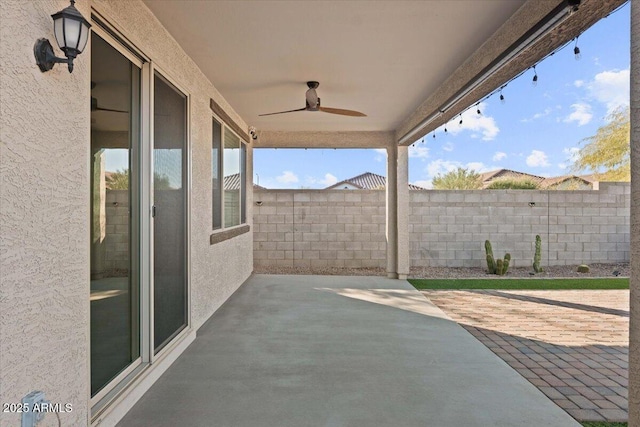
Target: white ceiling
x,y
383,58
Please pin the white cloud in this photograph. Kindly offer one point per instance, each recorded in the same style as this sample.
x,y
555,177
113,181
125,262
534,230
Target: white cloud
x,y
381,154
475,166
447,147
537,159
474,122
287,177
611,88
571,153
424,183
499,155
562,165
328,180
578,83
419,151
441,166
581,114
536,116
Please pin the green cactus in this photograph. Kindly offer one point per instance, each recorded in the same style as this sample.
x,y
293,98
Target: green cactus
x,y
505,263
536,258
496,266
491,264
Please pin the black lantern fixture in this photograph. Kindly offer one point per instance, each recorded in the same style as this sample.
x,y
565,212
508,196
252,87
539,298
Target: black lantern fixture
x,y
71,31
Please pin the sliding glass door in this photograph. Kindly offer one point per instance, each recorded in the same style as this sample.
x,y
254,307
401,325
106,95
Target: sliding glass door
x,y
115,246
139,214
170,212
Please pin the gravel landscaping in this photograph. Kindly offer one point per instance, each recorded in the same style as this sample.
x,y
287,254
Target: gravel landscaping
x,y
595,270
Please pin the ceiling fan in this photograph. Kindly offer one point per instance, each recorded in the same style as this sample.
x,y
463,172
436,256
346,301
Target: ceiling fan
x,y
313,104
95,107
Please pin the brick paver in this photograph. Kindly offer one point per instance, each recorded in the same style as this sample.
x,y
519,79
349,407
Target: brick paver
x,y
572,345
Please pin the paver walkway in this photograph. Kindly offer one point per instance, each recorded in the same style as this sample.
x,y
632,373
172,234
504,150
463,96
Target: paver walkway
x,y
572,345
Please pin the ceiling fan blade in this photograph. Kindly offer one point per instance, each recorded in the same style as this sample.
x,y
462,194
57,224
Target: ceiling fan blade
x,y
108,109
94,107
342,112
282,112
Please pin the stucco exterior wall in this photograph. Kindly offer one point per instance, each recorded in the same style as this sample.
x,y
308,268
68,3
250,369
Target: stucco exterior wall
x,y
338,228
634,300
44,210
44,202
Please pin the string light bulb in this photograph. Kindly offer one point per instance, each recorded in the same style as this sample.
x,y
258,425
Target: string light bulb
x,y
502,97
576,51
434,134
478,110
534,82
460,120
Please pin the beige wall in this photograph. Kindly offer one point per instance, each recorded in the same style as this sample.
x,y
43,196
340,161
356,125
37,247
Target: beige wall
x,y
338,228
321,228
44,202
634,302
44,210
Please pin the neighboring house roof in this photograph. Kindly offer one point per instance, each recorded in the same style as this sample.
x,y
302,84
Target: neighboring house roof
x,y
232,182
490,176
566,182
366,181
585,181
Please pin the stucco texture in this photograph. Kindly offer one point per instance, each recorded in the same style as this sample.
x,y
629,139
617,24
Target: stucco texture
x,y
44,193
44,202
634,302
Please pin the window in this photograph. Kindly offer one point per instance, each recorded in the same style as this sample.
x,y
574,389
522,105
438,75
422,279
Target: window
x,y
228,165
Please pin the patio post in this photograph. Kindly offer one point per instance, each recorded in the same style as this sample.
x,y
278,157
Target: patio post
x,y
634,301
392,211
403,212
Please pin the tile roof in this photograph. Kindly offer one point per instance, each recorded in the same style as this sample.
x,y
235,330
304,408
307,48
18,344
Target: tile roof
x,y
368,181
232,182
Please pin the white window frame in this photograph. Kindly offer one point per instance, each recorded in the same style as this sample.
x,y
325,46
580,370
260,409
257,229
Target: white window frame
x,y
243,190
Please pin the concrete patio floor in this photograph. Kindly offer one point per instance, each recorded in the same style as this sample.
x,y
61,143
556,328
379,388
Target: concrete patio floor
x,y
339,351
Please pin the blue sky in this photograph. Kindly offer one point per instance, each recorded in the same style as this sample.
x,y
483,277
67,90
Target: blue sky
x,y
536,130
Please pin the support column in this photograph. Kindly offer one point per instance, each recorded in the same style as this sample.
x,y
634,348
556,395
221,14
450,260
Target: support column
x,y
403,213
634,303
392,212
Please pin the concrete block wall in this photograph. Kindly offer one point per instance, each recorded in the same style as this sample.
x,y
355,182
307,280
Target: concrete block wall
x,y
319,228
448,228
339,228
117,232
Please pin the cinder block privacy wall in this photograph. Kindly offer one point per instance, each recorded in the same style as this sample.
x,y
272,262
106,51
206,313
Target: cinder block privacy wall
x,y
339,228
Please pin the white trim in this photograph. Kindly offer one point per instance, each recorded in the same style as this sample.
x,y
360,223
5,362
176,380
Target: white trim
x,y
106,24
146,221
187,152
223,127
130,395
99,399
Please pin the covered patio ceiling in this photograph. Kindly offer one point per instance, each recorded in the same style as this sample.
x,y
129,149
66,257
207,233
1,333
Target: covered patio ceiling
x,y
399,62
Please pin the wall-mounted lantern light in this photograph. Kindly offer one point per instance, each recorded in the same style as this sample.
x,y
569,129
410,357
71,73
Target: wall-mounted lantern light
x,y
71,31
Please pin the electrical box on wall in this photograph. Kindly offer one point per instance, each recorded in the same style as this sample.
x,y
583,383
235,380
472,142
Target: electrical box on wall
x,y
31,415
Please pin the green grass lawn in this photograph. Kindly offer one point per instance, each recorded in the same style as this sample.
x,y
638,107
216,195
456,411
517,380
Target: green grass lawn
x,y
602,424
519,284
